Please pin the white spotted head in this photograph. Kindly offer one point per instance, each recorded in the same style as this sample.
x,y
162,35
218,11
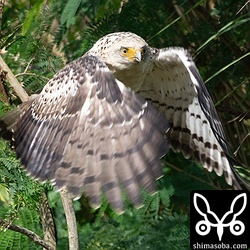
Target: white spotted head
x,y
126,54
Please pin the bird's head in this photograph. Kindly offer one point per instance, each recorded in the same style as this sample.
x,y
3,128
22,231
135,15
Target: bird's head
x,y
127,55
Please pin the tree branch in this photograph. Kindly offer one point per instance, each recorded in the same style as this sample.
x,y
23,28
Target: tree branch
x,y
34,237
21,93
49,229
71,220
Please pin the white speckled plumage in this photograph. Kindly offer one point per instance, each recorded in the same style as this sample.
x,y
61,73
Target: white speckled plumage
x,y
169,79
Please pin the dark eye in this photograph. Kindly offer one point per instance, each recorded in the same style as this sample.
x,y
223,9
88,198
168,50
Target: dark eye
x,y
144,51
124,50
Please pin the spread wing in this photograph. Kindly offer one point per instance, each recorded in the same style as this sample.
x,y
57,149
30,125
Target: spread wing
x,y
175,86
87,131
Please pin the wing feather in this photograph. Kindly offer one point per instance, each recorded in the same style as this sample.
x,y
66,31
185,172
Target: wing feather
x,y
87,131
175,86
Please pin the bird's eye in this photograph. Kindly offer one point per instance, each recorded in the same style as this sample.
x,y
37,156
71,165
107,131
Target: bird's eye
x,y
124,50
144,50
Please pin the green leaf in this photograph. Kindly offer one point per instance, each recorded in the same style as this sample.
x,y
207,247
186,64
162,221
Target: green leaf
x,y
14,240
32,14
69,11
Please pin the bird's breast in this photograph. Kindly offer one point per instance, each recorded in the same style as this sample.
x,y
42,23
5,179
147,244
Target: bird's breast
x,y
133,76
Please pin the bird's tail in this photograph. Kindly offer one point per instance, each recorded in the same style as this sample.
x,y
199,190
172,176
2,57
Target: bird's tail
x,y
8,121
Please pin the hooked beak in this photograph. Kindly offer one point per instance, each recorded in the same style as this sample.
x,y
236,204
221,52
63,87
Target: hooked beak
x,y
137,56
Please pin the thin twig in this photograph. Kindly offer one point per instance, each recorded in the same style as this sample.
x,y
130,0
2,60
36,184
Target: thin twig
x,y
25,74
247,3
34,237
32,74
242,141
237,113
28,65
191,175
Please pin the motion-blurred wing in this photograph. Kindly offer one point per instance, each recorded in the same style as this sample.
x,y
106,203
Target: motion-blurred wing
x,y
87,132
175,86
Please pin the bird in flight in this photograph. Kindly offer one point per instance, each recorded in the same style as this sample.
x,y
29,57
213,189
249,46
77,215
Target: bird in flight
x,y
103,122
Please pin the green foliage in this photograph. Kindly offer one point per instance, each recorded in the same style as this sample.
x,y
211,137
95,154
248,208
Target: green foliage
x,y
40,37
23,191
130,233
19,201
68,14
13,240
153,226
32,14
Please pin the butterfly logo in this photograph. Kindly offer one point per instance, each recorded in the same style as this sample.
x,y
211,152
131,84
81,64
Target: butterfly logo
x,y
210,219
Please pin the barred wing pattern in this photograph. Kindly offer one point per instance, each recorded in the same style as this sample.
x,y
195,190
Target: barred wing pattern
x,y
90,133
175,86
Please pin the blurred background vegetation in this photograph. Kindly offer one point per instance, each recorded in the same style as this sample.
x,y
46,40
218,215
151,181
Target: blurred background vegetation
x,y
38,37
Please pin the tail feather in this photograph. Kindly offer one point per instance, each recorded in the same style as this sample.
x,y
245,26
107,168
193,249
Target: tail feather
x,y
8,121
